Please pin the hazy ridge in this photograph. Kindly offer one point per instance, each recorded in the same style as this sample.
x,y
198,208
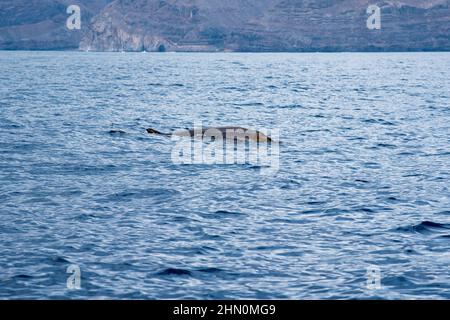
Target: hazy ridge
x,y
234,25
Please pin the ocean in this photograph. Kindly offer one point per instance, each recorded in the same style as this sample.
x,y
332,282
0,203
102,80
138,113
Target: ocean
x,y
93,207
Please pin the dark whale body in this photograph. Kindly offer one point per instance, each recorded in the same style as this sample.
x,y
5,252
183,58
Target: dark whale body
x,y
232,132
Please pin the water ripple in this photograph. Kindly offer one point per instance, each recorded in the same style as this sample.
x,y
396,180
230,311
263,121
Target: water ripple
x,y
362,178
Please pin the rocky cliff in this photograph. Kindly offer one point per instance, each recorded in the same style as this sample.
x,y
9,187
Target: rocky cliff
x,y
41,24
232,25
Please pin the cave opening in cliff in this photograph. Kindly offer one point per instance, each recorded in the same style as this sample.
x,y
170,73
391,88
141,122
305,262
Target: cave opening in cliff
x,y
161,48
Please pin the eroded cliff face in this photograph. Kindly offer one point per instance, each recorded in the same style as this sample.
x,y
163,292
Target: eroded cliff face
x,y
268,25
232,25
178,25
335,25
41,24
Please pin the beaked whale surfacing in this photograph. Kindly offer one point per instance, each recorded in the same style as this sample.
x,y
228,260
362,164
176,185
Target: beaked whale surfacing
x,y
238,133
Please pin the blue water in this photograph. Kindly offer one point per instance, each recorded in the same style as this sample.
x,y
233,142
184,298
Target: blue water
x,y
363,178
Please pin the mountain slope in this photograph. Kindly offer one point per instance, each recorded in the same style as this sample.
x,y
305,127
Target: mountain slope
x,y
232,25
268,25
41,24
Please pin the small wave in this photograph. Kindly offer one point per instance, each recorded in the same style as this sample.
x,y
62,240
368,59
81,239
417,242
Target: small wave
x,y
221,214
426,227
210,270
379,121
128,195
197,272
11,125
385,145
289,221
248,104
226,212
371,165
437,154
174,271
22,276
234,88
288,106
85,217
117,132
59,259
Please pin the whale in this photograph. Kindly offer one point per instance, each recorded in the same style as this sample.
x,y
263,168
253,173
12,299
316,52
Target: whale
x,y
227,132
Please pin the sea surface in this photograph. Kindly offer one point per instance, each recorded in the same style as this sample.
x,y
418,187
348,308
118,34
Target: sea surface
x,y
359,207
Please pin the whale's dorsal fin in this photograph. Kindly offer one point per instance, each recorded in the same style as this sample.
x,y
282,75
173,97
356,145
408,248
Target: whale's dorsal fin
x,y
153,131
